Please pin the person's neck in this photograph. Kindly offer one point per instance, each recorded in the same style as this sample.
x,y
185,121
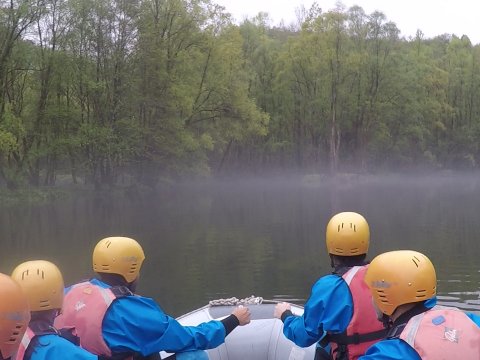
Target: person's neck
x,y
405,312
341,268
112,279
341,262
116,280
46,316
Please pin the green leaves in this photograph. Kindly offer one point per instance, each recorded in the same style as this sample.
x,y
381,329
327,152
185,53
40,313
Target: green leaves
x,y
161,88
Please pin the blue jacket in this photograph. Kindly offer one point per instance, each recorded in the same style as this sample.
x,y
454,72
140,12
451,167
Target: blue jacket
x,y
329,308
136,323
54,347
397,349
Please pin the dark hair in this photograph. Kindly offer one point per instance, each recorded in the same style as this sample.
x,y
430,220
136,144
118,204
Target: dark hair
x,y
117,280
347,261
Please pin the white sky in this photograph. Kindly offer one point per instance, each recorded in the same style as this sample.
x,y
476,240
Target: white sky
x,y
433,17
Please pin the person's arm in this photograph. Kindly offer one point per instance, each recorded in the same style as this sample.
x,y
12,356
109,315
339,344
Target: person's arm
x,y
135,323
474,317
239,317
391,349
329,308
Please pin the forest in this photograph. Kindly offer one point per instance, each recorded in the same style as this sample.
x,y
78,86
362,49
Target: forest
x,y
133,91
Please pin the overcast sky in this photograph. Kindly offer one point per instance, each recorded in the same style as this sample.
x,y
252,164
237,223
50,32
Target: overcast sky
x,y
433,17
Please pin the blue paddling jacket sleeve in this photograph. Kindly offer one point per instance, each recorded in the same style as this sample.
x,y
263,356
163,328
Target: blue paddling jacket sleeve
x,y
135,323
329,308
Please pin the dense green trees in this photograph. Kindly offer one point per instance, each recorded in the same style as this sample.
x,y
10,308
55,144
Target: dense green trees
x,y
118,91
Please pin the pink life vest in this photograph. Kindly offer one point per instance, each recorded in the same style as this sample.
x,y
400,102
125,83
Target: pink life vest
x,y
364,328
26,340
84,308
443,333
34,329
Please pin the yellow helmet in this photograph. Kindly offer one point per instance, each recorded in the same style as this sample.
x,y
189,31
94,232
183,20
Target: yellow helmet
x,y
118,255
400,277
42,282
347,234
14,316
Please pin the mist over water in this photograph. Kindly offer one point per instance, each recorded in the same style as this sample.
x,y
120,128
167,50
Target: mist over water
x,y
265,237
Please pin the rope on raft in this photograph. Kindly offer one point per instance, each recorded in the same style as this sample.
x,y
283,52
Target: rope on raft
x,y
233,301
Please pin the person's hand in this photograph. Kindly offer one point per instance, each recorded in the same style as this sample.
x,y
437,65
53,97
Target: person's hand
x,y
280,308
242,314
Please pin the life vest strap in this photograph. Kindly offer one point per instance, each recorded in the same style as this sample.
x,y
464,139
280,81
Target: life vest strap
x,y
121,291
42,328
344,339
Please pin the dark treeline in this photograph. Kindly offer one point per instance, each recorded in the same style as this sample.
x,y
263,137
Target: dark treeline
x,y
103,92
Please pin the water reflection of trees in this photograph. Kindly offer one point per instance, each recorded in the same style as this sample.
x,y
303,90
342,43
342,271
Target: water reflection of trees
x,y
264,238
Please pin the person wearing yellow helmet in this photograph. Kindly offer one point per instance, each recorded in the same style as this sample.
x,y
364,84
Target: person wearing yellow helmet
x,y
403,284
42,283
113,322
14,317
339,315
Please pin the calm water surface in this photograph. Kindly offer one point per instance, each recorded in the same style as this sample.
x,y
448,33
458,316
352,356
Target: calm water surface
x,y
261,237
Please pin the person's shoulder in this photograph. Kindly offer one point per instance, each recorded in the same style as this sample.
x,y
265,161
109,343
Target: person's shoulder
x,y
96,282
139,309
390,349
329,284
83,283
133,302
58,346
329,279
59,341
474,317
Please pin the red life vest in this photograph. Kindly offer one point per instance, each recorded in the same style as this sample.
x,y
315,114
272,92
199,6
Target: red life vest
x,y
364,328
84,308
443,333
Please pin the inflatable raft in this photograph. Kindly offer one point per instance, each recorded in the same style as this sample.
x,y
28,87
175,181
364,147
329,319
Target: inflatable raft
x,y
262,339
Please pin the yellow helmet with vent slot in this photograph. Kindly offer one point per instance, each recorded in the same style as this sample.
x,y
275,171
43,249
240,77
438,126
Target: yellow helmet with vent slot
x,y
347,234
42,282
400,277
118,255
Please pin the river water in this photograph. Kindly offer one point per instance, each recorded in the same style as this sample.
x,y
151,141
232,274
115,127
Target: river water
x,y
262,237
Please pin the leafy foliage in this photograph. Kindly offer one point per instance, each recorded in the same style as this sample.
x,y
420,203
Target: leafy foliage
x,y
112,91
